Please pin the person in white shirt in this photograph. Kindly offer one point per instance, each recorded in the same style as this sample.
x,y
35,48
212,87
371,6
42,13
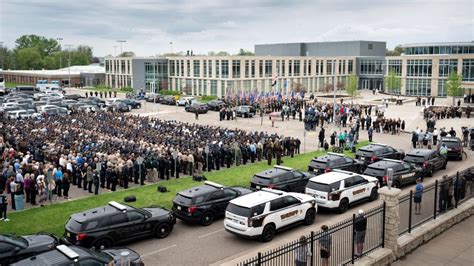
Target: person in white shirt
x,y
435,136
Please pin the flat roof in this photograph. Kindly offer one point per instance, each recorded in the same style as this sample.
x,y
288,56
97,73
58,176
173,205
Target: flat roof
x,y
255,198
73,71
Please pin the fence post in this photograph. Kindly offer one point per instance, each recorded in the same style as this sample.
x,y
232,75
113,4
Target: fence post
x,y
312,248
383,226
391,218
410,211
259,259
435,199
456,191
353,237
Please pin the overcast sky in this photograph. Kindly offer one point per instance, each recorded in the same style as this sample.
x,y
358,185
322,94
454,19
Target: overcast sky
x,y
148,26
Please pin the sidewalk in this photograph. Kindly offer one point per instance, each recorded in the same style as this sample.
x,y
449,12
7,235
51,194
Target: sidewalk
x,y
453,247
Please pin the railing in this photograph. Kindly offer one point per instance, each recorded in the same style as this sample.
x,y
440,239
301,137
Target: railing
x,y
343,249
436,198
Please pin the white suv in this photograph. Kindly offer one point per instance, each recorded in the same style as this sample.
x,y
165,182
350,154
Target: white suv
x,y
339,189
262,213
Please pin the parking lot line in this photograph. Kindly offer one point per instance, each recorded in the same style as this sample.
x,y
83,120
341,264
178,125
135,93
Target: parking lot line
x,y
211,233
159,250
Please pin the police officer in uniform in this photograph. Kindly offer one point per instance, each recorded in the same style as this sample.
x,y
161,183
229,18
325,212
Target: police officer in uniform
x,y
269,151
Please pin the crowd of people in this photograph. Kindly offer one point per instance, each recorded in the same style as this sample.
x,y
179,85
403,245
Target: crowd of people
x,y
446,112
44,158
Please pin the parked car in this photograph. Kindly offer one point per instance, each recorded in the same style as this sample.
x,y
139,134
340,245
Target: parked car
x,y
215,105
200,107
403,173
429,160
454,145
132,103
15,248
186,100
30,90
73,97
245,111
281,178
327,163
203,204
340,189
153,97
116,223
169,100
118,107
262,213
376,151
64,255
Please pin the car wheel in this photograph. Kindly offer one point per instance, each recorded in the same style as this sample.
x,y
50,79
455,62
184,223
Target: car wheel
x,y
309,217
430,172
343,206
397,184
129,108
102,244
162,230
268,233
207,218
373,194
444,165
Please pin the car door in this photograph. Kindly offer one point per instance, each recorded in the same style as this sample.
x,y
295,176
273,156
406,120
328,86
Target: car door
x,y
219,202
285,210
361,187
138,224
436,160
350,190
118,226
347,164
299,181
7,251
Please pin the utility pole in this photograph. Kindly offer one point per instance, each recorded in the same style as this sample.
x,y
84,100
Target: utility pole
x,y
171,47
59,39
69,64
121,42
115,50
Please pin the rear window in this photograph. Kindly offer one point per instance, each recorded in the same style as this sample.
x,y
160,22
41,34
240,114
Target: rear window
x,y
244,211
183,200
73,225
414,158
261,180
374,171
323,187
451,144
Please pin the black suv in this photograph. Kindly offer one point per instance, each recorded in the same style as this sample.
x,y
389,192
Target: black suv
x,y
245,111
330,161
169,100
375,152
202,204
15,248
281,178
428,160
454,146
132,103
403,172
71,255
215,105
106,226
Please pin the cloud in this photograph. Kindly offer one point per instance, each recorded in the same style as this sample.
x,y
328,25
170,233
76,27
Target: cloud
x,y
213,25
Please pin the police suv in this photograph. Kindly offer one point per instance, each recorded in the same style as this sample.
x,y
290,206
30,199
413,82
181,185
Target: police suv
x,y
375,152
339,189
281,178
403,172
262,213
330,161
106,226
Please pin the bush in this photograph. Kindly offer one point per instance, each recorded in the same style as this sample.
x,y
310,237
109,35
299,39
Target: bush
x,y
126,89
208,97
170,92
102,88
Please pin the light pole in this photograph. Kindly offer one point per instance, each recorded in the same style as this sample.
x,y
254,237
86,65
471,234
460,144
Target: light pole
x,y
69,64
59,39
171,47
121,42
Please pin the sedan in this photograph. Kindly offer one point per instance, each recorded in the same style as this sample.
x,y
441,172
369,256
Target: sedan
x,y
118,107
201,108
169,100
245,111
132,103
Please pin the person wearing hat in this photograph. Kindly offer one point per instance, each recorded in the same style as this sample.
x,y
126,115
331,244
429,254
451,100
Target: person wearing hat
x,y
360,227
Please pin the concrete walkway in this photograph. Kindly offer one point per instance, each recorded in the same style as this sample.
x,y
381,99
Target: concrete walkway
x,y
453,247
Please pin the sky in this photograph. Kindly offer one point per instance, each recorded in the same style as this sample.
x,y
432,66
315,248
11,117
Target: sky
x,y
149,26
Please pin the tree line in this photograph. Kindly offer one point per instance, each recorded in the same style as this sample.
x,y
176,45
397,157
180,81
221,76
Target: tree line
x,y
33,52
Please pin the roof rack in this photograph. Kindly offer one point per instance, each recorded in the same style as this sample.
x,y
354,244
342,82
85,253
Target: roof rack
x,y
274,191
68,252
392,160
212,184
342,171
379,144
283,167
118,206
336,154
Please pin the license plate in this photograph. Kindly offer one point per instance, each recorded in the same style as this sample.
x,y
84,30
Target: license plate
x,y
362,158
257,187
68,234
179,207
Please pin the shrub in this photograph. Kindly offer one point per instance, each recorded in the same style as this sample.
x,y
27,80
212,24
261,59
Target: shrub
x,y
170,92
126,89
208,97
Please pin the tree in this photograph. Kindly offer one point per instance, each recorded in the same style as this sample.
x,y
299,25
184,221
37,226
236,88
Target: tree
x,y
398,50
328,87
393,82
340,85
127,54
454,86
222,53
28,58
45,46
243,52
352,86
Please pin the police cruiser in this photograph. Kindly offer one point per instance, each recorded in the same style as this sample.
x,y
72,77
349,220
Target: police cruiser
x,y
262,213
339,189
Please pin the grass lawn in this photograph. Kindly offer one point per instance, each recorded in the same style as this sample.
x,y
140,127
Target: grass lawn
x,y
52,218
13,84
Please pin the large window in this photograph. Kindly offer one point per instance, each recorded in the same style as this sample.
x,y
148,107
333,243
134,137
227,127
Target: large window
x,y
310,62
454,49
217,71
283,68
317,68
214,87
209,68
204,68
225,68
468,69
419,68
329,66
350,67
446,65
442,87
196,65
247,68
395,66
252,68
260,68
235,69
181,72
155,71
371,67
188,68
418,87
172,66
296,67
268,68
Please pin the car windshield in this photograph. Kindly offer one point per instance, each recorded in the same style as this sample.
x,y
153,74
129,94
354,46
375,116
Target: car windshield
x,y
239,210
323,187
17,240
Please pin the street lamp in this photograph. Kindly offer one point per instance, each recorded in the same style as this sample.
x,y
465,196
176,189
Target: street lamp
x,y
69,64
121,42
59,39
171,47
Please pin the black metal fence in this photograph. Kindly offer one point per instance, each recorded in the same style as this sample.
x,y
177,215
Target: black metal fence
x,y
437,198
343,248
